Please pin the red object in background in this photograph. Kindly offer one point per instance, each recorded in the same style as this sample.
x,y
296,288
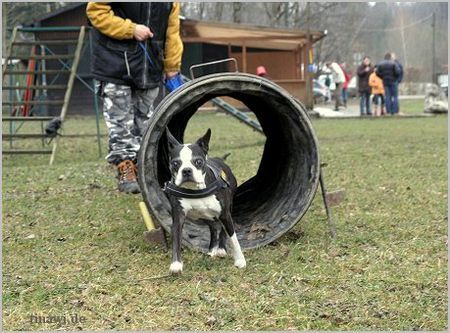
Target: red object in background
x,y
28,94
347,75
261,71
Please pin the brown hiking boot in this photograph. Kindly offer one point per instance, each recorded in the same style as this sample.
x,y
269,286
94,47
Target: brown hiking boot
x,y
127,177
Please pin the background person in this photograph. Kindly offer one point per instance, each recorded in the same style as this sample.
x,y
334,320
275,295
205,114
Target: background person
x,y
348,77
339,79
400,77
378,94
364,70
389,71
132,54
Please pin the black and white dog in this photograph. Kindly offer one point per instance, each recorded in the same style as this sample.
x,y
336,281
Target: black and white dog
x,y
201,189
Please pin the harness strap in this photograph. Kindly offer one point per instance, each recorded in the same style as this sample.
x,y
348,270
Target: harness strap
x,y
180,192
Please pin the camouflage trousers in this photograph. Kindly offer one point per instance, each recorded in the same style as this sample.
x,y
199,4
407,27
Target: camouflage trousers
x,y
126,113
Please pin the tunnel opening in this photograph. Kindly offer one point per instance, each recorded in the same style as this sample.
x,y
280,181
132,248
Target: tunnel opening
x,y
272,201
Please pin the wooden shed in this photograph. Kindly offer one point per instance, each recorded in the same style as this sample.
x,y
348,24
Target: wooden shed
x,y
284,53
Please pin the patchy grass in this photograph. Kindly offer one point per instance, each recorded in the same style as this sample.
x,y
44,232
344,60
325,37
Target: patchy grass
x,y
73,245
412,106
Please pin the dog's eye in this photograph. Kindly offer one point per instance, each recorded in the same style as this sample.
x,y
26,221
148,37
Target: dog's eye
x,y
198,162
175,164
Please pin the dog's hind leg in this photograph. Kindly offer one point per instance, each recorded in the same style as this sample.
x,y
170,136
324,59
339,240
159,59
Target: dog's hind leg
x,y
227,221
223,242
215,248
214,239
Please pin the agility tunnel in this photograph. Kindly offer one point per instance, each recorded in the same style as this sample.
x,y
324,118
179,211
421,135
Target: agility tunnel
x,y
275,199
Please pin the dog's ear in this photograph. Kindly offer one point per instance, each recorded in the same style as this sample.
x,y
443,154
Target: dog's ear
x,y
203,142
172,142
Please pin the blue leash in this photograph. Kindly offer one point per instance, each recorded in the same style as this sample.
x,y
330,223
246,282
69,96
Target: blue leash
x,y
172,83
146,53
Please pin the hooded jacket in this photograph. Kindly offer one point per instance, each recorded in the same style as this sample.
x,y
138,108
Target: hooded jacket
x,y
118,58
376,83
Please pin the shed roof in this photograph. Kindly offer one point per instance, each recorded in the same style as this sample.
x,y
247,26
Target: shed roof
x,y
59,11
252,36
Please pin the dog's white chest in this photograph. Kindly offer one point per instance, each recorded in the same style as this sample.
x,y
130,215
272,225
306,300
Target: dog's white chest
x,y
205,208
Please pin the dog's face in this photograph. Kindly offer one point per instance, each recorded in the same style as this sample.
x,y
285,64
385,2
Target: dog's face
x,y
187,162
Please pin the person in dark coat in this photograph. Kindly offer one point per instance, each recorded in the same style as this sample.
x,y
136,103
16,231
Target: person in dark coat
x,y
364,70
390,72
400,66
400,77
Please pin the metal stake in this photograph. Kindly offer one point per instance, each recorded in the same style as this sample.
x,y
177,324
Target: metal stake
x,y
325,203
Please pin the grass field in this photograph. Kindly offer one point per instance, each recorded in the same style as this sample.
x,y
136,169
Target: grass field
x,y
72,245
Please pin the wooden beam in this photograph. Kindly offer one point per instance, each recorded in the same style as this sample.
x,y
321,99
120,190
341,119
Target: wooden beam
x,y
309,102
247,38
229,53
244,57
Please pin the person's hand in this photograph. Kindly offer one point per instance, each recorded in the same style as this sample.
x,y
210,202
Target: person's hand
x,y
174,80
170,74
142,32
367,68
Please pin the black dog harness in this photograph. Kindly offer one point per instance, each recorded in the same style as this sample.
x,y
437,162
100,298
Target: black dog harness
x,y
219,183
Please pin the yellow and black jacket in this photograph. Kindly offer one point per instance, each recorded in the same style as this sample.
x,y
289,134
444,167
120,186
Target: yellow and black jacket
x,y
117,57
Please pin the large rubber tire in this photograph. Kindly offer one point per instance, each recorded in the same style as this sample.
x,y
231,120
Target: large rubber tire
x,y
272,201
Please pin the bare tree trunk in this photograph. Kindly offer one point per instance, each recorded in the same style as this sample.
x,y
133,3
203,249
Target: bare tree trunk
x,y
402,34
237,15
5,10
200,10
218,11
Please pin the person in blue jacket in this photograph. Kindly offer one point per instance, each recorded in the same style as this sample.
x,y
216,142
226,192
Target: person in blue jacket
x,y
390,72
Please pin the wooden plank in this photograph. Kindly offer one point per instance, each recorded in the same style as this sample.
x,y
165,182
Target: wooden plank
x,y
8,52
54,102
31,118
68,93
287,38
38,135
50,87
23,136
48,71
46,57
47,42
26,151
244,57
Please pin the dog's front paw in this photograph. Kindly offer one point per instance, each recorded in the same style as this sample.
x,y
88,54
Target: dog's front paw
x,y
217,252
176,267
240,263
221,253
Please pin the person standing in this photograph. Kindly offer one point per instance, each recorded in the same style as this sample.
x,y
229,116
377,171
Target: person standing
x,y
136,47
378,94
364,70
328,85
400,76
339,79
345,84
389,71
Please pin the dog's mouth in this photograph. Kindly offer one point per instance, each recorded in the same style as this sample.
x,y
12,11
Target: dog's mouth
x,y
191,184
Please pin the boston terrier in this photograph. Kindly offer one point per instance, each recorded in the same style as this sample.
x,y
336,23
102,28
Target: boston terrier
x,y
201,189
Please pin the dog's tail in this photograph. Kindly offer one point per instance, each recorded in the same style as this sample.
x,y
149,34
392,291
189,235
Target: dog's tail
x,y
224,157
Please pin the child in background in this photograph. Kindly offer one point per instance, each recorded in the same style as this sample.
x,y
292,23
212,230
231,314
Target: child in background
x,y
376,84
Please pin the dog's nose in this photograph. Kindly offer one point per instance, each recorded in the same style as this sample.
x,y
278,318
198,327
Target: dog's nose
x,y
186,172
